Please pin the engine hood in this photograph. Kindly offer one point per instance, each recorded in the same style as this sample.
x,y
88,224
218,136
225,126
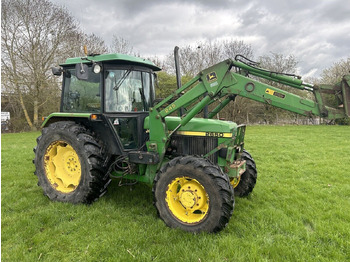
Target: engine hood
x,y
199,127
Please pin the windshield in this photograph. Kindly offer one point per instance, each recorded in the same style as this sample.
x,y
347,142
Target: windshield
x,y
128,90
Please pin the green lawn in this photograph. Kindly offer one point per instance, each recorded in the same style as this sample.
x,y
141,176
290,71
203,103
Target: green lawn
x,y
298,211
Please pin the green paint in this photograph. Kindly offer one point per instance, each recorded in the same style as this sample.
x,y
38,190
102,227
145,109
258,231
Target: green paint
x,y
213,83
65,115
116,58
197,124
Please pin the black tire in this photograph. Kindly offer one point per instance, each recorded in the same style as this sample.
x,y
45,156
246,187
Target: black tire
x,y
201,172
248,178
90,183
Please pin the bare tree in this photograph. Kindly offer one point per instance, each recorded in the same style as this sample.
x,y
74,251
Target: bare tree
x,y
335,73
121,45
94,43
33,34
231,48
194,58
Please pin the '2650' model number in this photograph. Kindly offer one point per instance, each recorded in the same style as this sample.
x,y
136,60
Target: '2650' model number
x,y
215,134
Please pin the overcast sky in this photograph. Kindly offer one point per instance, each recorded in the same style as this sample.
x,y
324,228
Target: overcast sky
x,y
316,32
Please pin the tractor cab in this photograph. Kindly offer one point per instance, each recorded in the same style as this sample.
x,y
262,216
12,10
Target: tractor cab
x,y
118,88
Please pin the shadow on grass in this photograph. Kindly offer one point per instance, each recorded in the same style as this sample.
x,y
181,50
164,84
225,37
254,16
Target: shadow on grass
x,y
135,194
131,200
137,202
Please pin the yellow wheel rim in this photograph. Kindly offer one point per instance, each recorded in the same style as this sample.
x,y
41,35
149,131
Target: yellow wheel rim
x,y
62,166
187,200
235,181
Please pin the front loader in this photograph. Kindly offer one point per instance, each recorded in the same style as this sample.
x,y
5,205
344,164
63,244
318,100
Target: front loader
x,y
109,126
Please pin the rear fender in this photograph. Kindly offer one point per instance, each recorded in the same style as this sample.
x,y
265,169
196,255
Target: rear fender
x,y
56,117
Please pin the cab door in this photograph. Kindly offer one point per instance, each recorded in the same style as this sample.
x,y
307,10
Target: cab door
x,y
128,95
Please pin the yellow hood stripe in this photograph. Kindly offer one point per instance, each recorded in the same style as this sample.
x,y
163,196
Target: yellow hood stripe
x,y
196,133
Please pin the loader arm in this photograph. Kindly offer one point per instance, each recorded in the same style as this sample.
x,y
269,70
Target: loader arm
x,y
222,82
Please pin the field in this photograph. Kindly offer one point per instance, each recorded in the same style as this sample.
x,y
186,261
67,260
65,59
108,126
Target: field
x,y
298,211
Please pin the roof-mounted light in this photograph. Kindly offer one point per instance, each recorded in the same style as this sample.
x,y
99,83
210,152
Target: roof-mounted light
x,y
96,68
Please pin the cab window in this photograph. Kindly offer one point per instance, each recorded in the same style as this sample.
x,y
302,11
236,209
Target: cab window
x,y
81,95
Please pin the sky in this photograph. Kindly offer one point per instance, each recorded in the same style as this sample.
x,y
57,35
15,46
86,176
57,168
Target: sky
x,y
316,32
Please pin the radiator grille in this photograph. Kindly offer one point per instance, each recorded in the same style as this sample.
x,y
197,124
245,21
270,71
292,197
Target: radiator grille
x,y
194,145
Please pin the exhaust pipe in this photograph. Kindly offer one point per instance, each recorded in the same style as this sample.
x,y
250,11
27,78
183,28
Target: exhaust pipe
x,y
178,73
177,67
178,81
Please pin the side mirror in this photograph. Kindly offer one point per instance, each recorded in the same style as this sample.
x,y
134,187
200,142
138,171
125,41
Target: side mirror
x,y
82,71
155,78
57,71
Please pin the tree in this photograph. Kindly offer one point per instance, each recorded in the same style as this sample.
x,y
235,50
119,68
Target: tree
x,y
167,84
33,35
121,45
94,44
333,75
336,72
194,58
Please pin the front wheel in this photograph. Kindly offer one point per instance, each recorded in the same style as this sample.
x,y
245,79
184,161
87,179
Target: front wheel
x,y
194,195
246,183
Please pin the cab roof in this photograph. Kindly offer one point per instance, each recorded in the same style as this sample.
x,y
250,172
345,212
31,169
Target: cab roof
x,y
120,58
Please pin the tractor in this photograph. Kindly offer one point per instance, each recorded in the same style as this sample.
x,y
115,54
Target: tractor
x,y
111,125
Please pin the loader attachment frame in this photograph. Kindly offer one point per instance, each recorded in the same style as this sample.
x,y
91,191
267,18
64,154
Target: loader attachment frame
x,y
232,78
345,85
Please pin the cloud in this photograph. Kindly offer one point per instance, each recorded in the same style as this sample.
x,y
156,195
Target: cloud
x,y
315,32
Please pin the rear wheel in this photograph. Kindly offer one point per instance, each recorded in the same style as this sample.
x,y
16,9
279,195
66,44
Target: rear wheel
x,y
245,184
69,163
193,194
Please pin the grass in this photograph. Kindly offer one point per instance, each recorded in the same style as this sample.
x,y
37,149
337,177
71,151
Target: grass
x,y
298,211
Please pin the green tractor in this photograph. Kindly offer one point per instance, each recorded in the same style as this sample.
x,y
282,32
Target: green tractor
x,y
110,125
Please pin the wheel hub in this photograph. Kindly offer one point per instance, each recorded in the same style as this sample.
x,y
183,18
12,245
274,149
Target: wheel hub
x,y
72,163
62,166
187,200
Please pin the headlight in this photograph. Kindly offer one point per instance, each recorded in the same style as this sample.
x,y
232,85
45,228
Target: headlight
x,y
96,68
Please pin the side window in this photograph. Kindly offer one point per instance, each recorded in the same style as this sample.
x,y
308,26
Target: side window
x,y
146,80
81,95
153,90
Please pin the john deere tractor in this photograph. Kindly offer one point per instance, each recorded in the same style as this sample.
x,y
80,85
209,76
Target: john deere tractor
x,y
110,125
